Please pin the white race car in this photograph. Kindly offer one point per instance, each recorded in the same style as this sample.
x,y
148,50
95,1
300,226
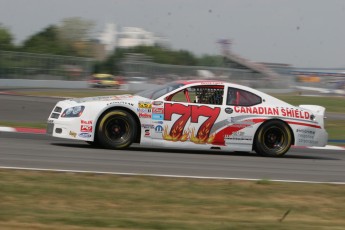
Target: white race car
x,y
191,115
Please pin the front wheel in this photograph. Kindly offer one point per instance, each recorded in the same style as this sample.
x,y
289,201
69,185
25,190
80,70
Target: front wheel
x,y
273,139
116,129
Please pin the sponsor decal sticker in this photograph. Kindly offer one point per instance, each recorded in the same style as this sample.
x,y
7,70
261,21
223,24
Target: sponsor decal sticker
x,y
159,129
158,110
121,102
238,123
147,126
246,138
305,134
305,131
145,115
84,135
86,128
157,116
147,133
83,122
157,103
141,110
145,105
238,136
309,142
284,112
73,134
229,110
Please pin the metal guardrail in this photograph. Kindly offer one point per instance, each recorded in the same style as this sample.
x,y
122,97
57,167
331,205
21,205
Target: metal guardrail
x,y
19,65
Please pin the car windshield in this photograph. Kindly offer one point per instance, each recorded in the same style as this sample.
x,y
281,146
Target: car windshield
x,y
159,91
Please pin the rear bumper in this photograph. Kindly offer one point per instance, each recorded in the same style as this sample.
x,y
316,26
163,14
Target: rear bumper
x,y
318,139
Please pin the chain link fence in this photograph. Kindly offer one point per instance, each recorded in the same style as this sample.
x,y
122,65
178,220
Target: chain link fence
x,y
141,72
138,68
19,65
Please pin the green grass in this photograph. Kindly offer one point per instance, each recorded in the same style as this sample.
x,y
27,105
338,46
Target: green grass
x,y
336,129
332,104
47,200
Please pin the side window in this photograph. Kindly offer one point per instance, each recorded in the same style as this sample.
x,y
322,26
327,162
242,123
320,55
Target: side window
x,y
242,98
179,97
205,94
209,94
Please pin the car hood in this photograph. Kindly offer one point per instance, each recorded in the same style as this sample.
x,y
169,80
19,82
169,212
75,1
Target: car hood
x,y
126,97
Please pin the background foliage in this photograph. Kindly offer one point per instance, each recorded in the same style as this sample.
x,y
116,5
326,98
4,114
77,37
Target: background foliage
x,y
73,37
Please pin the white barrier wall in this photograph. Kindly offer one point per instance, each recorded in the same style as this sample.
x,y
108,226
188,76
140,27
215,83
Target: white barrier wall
x,y
43,83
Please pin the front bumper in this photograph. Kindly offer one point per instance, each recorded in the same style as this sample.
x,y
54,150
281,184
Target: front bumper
x,y
69,127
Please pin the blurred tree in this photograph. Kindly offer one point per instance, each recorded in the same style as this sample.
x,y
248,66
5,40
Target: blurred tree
x,y
71,38
184,57
47,41
77,32
6,39
158,55
112,63
166,56
210,60
76,29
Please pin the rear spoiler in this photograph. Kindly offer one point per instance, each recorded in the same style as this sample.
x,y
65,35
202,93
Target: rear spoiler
x,y
316,109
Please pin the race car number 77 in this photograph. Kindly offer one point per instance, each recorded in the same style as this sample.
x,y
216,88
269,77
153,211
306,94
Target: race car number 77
x,y
192,112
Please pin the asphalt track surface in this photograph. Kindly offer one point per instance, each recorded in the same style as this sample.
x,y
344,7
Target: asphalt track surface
x,y
44,152
25,109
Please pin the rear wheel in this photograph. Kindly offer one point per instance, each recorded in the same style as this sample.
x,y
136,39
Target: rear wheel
x,y
273,139
116,129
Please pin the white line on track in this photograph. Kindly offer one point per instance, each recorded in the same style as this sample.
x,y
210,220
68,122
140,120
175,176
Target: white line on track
x,y
329,147
171,176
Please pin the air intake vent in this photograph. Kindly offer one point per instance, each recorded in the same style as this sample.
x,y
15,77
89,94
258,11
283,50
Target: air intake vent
x,y
58,109
55,115
56,112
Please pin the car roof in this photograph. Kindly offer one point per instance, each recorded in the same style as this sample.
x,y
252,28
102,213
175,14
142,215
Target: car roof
x,y
219,82
229,84
188,82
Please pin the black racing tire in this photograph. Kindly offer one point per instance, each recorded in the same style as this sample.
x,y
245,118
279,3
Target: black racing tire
x,y
116,129
273,139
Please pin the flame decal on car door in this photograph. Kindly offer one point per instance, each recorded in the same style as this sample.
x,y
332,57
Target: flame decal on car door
x,y
178,132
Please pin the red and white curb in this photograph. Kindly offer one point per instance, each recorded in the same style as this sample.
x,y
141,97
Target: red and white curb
x,y
22,130
43,131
